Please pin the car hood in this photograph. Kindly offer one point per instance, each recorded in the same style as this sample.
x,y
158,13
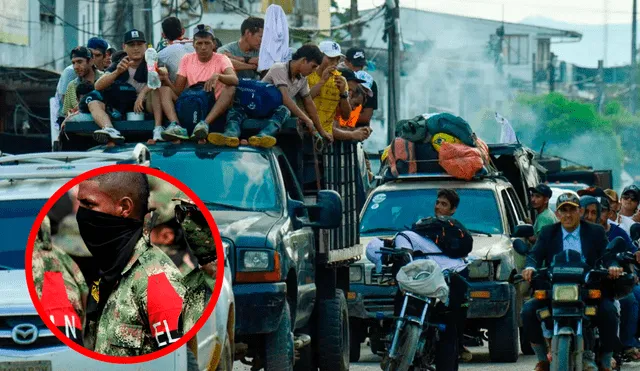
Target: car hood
x,y
13,289
496,247
244,228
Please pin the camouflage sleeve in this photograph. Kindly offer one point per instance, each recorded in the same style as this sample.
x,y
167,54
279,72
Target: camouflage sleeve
x,y
199,286
161,298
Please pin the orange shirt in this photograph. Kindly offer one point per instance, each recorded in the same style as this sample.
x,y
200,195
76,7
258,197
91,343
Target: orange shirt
x,y
353,118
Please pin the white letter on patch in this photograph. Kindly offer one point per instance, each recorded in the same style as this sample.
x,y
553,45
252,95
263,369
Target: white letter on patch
x,y
158,333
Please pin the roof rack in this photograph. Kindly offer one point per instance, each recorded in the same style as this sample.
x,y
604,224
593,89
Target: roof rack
x,y
52,165
439,176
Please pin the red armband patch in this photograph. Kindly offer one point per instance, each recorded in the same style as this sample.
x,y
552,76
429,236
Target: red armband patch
x,y
56,304
164,306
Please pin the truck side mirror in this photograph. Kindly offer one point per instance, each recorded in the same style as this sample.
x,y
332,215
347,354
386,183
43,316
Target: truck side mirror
x,y
523,231
520,247
325,214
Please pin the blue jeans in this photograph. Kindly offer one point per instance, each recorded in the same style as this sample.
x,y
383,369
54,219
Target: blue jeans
x,y
629,313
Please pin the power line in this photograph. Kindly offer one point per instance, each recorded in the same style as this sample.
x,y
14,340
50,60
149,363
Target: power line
x,y
70,24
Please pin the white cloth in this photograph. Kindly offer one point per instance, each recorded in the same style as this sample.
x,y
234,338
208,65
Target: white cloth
x,y
507,135
625,222
275,39
416,243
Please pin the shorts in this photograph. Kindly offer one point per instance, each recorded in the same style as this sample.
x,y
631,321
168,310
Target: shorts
x,y
119,96
83,105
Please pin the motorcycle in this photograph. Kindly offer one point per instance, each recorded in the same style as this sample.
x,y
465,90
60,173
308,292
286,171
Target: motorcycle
x,y
574,292
420,323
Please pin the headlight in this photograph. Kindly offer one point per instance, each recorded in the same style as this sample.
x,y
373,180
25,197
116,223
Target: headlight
x,y
483,269
355,273
256,260
566,292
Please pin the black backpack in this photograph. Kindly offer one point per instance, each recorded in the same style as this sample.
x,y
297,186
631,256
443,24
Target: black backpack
x,y
448,234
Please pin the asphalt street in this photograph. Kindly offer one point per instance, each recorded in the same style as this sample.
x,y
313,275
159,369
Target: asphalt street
x,y
370,362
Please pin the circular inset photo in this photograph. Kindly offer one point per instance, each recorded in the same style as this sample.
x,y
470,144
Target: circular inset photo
x,y
122,266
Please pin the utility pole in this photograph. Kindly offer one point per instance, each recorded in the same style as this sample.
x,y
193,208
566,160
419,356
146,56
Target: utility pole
x,y
552,73
634,93
393,72
533,73
355,29
600,81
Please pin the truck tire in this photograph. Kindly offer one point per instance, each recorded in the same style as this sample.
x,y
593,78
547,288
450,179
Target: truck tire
x,y
525,345
226,357
503,334
407,347
356,329
192,362
333,333
278,345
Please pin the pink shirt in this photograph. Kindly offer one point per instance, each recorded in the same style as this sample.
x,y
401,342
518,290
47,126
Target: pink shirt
x,y
196,71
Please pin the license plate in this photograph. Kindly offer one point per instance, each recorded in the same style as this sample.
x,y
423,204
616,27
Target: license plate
x,y
26,366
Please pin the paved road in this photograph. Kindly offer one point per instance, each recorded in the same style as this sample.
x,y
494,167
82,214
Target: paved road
x,y
370,362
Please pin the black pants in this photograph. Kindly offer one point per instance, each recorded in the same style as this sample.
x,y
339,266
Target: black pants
x,y
606,320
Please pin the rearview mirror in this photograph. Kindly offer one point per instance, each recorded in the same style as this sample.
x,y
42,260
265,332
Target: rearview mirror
x,y
520,247
325,214
616,246
523,231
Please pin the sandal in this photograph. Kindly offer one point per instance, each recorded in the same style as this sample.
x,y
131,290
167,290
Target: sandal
x,y
633,354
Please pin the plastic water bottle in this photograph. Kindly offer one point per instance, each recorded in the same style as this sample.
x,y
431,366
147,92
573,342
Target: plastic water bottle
x,y
153,79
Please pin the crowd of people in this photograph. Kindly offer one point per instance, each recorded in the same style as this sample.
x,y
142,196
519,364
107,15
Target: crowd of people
x,y
328,92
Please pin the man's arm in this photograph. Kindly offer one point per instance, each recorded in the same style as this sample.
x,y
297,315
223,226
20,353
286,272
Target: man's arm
x,y
106,80
340,133
310,107
344,107
228,77
292,106
365,116
537,255
241,65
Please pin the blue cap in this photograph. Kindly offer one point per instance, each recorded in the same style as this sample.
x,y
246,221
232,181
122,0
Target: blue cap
x,y
98,43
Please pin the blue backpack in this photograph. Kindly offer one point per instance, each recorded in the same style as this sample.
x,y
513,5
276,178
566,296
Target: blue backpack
x,y
193,105
258,98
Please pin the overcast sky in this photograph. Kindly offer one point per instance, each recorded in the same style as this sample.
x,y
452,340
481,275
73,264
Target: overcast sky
x,y
572,11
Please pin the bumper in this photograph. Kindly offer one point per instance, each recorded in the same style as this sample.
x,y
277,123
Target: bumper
x,y
258,307
370,301
65,358
491,299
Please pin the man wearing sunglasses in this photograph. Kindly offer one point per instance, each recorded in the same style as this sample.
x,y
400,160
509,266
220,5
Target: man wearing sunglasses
x,y
629,208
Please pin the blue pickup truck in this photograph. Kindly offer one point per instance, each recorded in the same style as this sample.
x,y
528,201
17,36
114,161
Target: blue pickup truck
x,y
285,236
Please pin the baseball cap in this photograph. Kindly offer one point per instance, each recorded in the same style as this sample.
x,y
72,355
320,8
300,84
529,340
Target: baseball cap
x,y
613,195
81,52
331,49
203,28
349,75
542,189
357,57
368,81
98,43
134,35
568,199
632,189
605,204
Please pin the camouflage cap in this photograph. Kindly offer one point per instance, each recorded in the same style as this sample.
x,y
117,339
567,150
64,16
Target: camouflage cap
x,y
68,238
196,229
161,201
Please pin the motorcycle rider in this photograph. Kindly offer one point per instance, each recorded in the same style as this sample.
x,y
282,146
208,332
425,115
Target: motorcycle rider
x,y
571,233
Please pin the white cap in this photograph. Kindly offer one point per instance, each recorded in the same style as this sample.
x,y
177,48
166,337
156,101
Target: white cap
x,y
368,81
331,49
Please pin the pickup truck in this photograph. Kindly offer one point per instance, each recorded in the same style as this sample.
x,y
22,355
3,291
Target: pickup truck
x,y
492,208
284,235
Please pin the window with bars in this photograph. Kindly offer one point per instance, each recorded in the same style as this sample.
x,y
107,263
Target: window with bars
x,y
47,11
516,49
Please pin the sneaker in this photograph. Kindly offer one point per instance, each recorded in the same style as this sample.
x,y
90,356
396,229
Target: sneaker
x,y
200,131
106,135
542,366
157,133
175,131
265,141
466,355
219,139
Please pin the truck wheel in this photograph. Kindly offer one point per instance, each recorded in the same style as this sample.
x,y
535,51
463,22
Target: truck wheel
x,y
192,362
503,334
333,333
525,345
355,334
278,345
226,357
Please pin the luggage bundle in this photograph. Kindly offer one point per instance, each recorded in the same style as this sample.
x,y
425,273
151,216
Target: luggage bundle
x,y
433,143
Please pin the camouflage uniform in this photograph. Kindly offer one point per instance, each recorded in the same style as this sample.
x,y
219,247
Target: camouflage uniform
x,y
143,306
47,258
199,284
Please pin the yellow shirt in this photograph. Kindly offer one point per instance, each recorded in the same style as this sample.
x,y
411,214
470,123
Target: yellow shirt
x,y
327,101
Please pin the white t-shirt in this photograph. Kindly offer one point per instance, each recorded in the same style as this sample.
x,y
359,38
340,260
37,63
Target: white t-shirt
x,y
625,222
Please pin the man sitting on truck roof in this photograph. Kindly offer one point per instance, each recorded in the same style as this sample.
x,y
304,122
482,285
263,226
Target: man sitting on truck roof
x,y
124,89
85,69
207,67
540,196
173,47
629,210
346,129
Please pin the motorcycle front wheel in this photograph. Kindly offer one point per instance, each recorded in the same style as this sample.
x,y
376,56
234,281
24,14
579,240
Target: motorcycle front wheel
x,y
562,358
406,349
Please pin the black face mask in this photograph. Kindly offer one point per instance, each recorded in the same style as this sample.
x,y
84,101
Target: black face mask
x,y
111,240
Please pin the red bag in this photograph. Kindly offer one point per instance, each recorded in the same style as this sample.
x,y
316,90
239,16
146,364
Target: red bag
x,y
402,157
460,160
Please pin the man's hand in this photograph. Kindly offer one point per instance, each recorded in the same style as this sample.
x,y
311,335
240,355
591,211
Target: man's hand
x,y
341,83
139,105
615,272
253,60
527,274
636,217
532,239
327,136
327,73
123,65
360,134
210,84
637,255
164,74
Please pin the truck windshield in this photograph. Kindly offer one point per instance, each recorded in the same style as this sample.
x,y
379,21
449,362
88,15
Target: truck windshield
x,y
16,219
226,180
396,211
